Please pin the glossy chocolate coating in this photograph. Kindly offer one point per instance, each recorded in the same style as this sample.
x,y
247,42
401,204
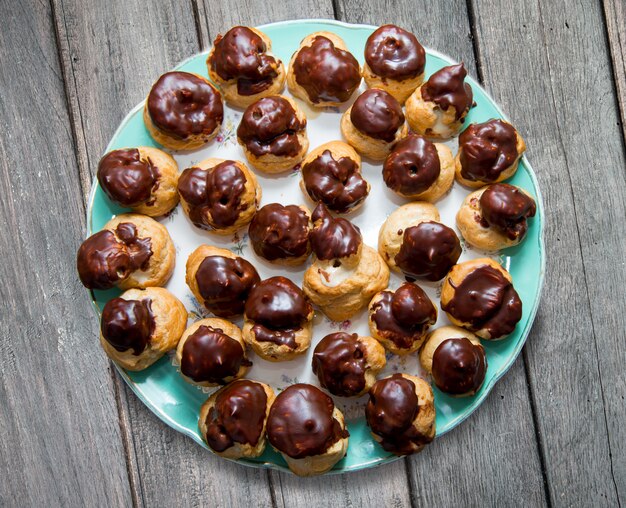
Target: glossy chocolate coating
x,y
279,232
335,182
339,362
241,54
486,150
485,299
212,356
390,412
270,126
224,283
403,316
103,260
238,415
428,251
216,191
392,52
327,73
447,87
413,166
377,114
183,105
459,366
128,324
506,208
301,422
126,178
333,238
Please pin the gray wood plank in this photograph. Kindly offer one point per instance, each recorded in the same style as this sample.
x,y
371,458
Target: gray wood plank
x,y
615,17
58,418
500,437
111,53
559,92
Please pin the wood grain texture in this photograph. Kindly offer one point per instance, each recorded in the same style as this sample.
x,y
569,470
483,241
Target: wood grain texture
x,y
572,132
615,20
58,419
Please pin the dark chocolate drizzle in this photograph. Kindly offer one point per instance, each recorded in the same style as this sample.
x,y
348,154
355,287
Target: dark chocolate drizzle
x,y
301,422
413,166
339,362
128,324
183,105
279,232
392,52
335,182
333,238
428,251
506,208
238,415
377,114
126,178
459,366
447,87
325,72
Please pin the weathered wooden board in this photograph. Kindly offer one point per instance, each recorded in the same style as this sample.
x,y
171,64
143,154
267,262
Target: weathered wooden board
x,y
58,419
615,18
558,90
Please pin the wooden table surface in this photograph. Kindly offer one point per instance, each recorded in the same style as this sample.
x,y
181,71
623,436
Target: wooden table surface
x,y
552,431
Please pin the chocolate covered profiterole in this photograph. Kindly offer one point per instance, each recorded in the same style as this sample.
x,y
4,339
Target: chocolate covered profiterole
x,y
401,414
272,133
242,65
322,72
232,421
219,195
374,123
400,319
455,359
394,61
280,234
418,169
438,108
307,429
140,326
277,320
212,352
331,174
220,280
143,179
489,152
347,364
479,295
495,217
183,111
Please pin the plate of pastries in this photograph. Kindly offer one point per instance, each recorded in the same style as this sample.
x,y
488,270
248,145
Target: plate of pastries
x,y
315,246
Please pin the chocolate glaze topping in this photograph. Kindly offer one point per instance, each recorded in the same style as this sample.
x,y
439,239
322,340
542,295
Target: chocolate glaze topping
x,y
390,412
103,260
447,87
459,366
377,114
486,150
241,54
211,355
183,105
279,308
216,191
301,422
270,126
336,183
403,317
278,232
326,72
126,178
392,52
333,238
224,283
339,362
413,166
506,208
428,251
237,416
486,300
128,324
